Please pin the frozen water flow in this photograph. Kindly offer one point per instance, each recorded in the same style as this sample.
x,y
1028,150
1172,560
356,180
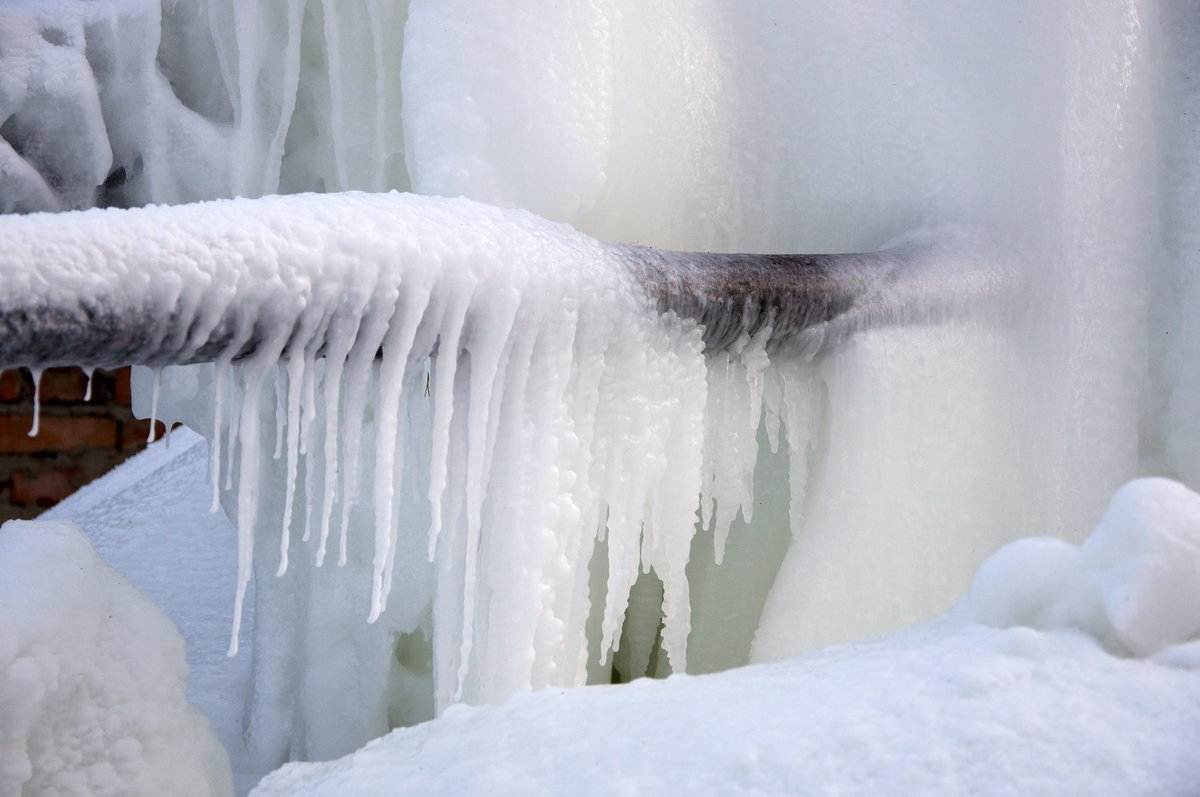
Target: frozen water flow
x,y
533,409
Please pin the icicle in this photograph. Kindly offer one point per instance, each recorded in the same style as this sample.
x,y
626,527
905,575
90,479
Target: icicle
x,y
295,378
306,433
290,84
235,421
91,373
36,373
486,346
398,472
310,401
248,442
214,454
279,411
443,409
342,333
397,346
306,337
156,391
370,337
755,360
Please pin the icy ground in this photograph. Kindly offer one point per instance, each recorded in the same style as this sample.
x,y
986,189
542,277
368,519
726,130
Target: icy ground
x,y
1065,669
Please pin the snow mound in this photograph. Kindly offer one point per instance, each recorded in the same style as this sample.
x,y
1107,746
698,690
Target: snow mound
x,y
942,709
144,519
954,706
1134,584
92,679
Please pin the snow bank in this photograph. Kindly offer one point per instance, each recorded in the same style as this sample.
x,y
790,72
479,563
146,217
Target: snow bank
x,y
948,707
92,679
146,519
937,711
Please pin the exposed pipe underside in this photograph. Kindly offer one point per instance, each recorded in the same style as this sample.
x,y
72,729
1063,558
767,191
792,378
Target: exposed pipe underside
x,y
111,318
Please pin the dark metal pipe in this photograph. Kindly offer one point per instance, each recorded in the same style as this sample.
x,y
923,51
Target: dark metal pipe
x,y
107,309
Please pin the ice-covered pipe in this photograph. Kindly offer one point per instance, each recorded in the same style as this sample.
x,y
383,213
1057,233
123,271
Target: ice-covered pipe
x,y
807,301
214,280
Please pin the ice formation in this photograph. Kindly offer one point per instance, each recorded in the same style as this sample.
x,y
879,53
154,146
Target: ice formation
x,y
92,679
1134,584
1027,655
556,460
979,711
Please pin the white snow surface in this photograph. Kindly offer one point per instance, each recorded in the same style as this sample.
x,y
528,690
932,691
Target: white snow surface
x,y
149,520
942,709
1018,690
92,679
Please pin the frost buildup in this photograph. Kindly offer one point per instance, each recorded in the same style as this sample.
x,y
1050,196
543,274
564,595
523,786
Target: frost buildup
x,y
92,679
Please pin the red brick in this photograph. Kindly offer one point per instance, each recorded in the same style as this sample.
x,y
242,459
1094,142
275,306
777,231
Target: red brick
x,y
11,382
56,433
134,434
121,390
46,489
63,384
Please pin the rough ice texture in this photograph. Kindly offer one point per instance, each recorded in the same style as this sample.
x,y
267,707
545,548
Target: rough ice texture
x,y
524,402
92,679
882,473
128,102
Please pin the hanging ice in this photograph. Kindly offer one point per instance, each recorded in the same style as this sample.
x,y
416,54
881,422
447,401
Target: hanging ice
x,y
842,496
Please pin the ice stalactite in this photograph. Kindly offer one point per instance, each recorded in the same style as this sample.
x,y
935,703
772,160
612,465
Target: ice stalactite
x,y
475,388
501,403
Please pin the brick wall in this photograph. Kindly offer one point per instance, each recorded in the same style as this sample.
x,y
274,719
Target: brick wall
x,y
77,440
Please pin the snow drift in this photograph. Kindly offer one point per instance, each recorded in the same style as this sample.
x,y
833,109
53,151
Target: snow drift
x,y
92,679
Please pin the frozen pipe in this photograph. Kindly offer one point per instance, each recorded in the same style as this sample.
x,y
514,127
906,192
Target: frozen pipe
x,y
805,302
166,285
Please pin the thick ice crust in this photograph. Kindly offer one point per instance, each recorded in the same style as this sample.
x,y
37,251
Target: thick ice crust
x,y
92,679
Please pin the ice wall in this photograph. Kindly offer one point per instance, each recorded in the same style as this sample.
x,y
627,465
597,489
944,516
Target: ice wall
x,y
136,101
854,493
1041,129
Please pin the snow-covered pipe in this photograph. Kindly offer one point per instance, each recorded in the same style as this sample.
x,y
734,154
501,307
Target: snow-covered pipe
x,y
216,280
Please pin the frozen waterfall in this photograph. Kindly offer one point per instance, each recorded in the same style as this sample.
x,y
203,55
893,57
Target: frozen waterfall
x,y
501,439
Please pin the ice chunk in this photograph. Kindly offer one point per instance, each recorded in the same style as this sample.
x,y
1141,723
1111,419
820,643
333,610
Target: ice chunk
x,y
92,679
